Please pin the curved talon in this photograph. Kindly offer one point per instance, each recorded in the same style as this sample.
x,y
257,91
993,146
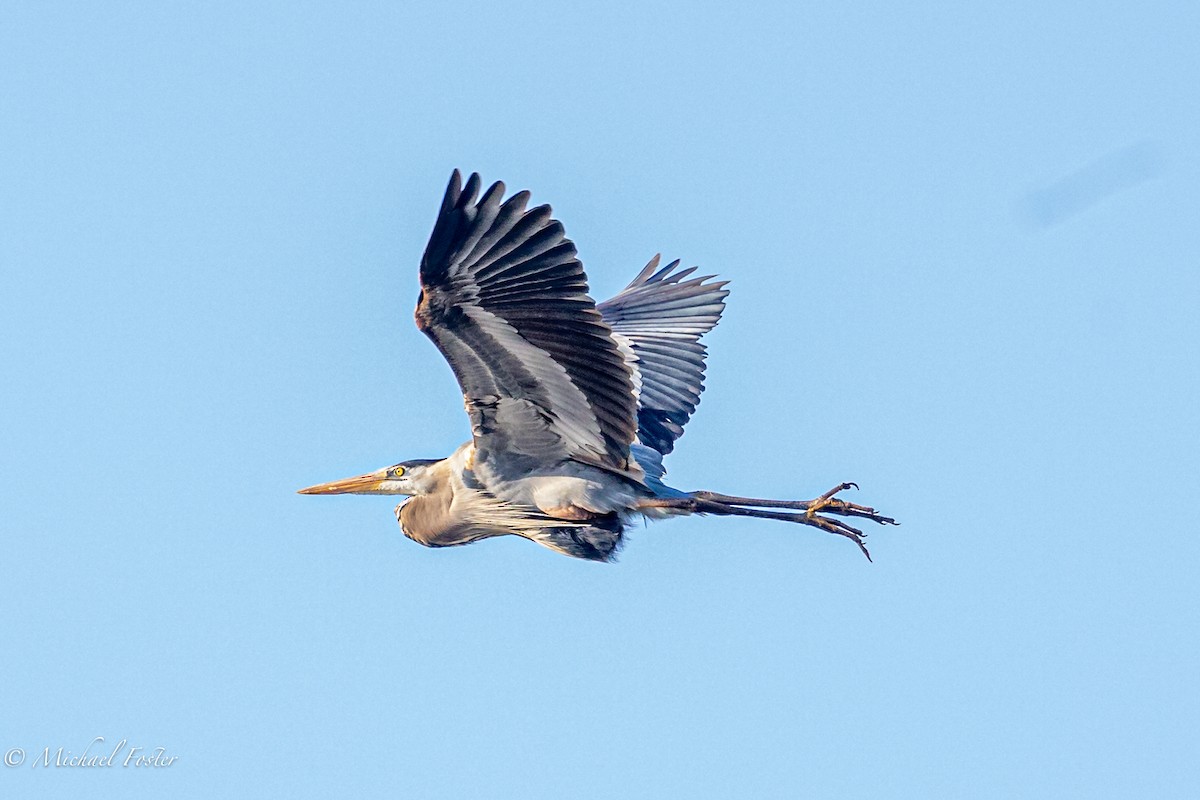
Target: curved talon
x,y
861,546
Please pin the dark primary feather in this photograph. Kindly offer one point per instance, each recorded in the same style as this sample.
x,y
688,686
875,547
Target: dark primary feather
x,y
505,300
662,317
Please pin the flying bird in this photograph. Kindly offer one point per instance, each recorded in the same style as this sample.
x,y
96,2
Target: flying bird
x,y
573,404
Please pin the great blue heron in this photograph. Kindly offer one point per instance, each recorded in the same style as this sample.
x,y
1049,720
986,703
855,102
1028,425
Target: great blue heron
x,y
572,404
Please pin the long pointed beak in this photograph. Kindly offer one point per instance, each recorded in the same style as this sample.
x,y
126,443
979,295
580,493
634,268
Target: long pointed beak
x,y
361,484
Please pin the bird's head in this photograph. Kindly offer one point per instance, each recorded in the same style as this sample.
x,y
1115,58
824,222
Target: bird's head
x,y
408,478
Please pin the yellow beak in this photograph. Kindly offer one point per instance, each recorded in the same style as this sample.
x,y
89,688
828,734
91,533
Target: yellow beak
x,y
362,484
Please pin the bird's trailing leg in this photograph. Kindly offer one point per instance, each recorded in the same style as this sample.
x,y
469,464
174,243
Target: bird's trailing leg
x,y
828,503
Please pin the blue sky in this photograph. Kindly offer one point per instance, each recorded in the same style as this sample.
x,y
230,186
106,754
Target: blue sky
x,y
963,250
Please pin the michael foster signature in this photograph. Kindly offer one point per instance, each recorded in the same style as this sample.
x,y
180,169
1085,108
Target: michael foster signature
x,y
96,754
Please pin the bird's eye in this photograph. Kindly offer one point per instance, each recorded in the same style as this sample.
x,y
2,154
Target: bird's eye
x,y
397,472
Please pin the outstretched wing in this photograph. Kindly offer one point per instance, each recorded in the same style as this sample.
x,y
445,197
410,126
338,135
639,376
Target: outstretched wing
x,y
659,318
505,300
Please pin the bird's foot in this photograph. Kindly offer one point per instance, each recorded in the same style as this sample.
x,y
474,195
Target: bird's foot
x,y
829,503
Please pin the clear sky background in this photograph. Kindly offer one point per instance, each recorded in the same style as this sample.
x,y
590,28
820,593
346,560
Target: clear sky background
x,y
963,245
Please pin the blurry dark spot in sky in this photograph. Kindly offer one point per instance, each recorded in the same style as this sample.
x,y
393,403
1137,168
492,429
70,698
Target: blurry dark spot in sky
x,y
1107,175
